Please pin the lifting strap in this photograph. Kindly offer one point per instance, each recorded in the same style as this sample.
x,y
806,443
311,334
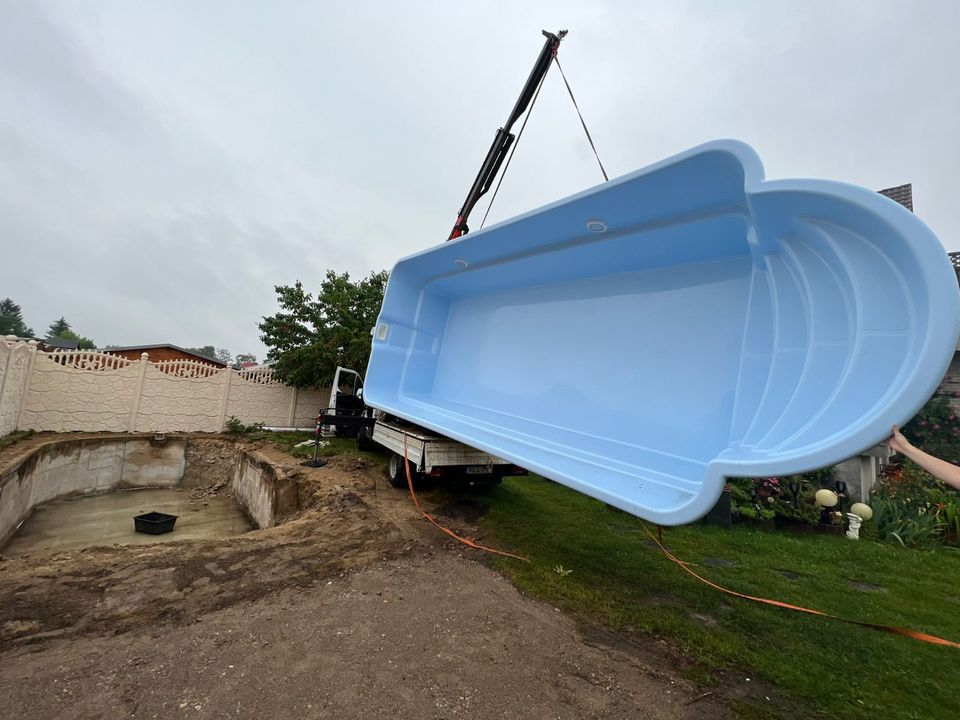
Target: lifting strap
x,y
589,139
524,125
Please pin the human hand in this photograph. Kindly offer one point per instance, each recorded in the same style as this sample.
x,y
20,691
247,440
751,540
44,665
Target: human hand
x,y
897,442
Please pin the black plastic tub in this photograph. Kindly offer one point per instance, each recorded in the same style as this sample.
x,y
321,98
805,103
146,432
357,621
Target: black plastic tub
x,y
154,523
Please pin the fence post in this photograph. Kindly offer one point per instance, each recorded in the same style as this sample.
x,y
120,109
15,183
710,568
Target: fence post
x,y
11,342
293,409
32,344
138,391
226,399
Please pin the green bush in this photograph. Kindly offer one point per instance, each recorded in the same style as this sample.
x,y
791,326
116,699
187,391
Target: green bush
x,y
912,525
769,498
915,509
804,508
14,437
235,426
745,503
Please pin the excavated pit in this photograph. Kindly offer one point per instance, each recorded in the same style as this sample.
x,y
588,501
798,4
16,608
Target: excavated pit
x,y
323,612
69,494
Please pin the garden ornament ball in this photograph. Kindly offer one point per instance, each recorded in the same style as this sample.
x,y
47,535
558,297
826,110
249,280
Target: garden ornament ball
x,y
826,498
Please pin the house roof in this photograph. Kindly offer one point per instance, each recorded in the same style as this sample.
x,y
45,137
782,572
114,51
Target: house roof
x,y
147,348
903,194
60,343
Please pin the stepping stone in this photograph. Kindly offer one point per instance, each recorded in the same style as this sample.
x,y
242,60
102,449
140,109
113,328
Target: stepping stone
x,y
654,546
717,562
788,574
661,599
704,619
620,527
866,587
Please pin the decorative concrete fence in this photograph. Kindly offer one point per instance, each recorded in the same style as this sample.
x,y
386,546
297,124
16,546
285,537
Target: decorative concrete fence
x,y
86,390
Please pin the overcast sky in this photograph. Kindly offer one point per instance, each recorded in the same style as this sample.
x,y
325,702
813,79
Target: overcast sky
x,y
164,164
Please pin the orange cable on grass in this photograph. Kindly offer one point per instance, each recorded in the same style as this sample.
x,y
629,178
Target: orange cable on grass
x,y
906,632
448,531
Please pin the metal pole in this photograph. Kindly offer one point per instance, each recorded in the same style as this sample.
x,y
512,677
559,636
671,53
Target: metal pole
x,y
315,463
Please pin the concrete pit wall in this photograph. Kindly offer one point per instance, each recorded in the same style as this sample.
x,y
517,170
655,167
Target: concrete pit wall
x,y
264,490
84,466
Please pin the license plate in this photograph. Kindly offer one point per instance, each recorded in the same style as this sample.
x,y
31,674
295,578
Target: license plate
x,y
479,470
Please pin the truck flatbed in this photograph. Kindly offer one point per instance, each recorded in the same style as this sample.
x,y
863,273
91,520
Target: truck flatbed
x,y
427,450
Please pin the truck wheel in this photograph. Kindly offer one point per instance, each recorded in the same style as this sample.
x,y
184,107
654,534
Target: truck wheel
x,y
365,440
398,474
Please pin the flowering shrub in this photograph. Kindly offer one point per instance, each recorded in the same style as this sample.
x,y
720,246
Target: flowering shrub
x,y
936,428
772,497
910,506
745,501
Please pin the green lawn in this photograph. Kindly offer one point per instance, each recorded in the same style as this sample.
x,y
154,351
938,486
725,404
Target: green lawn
x,y
822,666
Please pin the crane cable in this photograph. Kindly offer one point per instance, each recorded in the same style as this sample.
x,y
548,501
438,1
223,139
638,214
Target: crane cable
x,y
580,114
524,125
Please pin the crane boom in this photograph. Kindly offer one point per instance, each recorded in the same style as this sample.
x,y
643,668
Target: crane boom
x,y
504,138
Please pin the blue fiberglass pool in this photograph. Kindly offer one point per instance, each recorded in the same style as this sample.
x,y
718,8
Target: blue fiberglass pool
x,y
642,340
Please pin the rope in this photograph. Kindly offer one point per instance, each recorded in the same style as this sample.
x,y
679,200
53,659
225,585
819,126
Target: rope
x,y
893,630
448,531
590,139
513,150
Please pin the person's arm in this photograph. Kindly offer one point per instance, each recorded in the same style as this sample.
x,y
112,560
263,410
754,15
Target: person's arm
x,y
940,469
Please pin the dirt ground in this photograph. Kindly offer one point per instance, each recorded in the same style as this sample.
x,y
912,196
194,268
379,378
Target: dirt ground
x,y
357,608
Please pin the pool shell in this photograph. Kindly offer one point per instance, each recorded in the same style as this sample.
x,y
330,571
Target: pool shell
x,y
719,326
65,466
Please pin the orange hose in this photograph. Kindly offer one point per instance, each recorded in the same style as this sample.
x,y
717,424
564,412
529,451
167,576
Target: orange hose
x,y
906,632
892,629
448,531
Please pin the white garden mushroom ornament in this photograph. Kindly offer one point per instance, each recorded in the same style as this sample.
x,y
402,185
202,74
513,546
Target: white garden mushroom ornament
x,y
859,514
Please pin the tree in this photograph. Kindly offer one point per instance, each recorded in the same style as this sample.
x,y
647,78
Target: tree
x,y
207,351
61,330
83,343
245,358
58,328
308,338
11,320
